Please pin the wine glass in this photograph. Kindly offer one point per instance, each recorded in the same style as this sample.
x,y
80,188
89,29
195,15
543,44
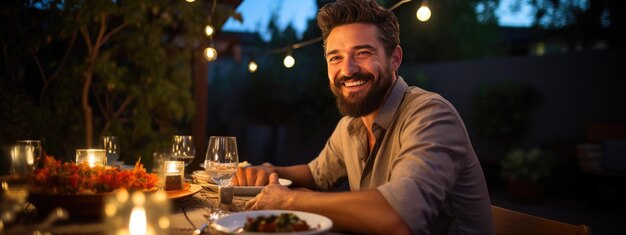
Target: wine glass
x,y
17,166
33,151
112,149
221,165
183,149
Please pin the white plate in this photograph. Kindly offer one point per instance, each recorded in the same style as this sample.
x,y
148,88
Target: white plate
x,y
231,223
242,190
241,164
201,176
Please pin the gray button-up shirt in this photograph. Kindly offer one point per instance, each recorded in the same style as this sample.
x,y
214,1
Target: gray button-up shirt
x,y
423,163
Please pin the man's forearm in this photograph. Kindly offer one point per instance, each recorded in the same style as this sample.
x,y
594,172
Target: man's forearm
x,y
361,212
299,174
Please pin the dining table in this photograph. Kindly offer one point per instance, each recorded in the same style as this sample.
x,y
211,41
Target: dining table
x,y
188,214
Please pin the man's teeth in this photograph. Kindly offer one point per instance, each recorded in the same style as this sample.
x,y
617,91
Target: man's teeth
x,y
354,83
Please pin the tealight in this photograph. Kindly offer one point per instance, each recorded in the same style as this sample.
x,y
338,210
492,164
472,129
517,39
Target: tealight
x,y
93,157
174,174
137,213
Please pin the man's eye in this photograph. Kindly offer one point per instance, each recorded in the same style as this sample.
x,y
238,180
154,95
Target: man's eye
x,y
334,58
363,53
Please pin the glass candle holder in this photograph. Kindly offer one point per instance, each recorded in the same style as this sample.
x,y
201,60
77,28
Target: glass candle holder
x,y
93,157
137,213
173,172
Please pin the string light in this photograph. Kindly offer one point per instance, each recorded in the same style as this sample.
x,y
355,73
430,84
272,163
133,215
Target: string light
x,y
423,13
210,53
289,61
209,30
252,66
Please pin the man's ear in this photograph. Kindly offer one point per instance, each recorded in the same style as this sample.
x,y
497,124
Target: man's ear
x,y
396,58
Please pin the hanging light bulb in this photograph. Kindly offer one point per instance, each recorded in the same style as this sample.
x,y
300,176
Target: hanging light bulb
x,y
252,66
209,30
210,53
190,0
289,61
423,13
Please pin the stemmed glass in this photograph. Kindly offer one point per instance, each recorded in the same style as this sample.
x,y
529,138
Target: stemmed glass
x,y
17,165
220,164
32,151
112,149
183,149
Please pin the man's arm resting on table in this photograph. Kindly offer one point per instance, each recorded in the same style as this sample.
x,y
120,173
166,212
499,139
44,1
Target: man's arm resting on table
x,y
359,212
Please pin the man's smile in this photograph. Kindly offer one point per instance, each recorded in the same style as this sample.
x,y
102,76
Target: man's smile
x,y
353,83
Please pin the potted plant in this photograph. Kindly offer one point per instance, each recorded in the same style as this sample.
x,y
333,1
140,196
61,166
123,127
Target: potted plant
x,y
526,173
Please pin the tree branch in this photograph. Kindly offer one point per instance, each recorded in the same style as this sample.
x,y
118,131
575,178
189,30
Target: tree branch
x,y
103,28
117,113
114,31
85,34
59,69
44,79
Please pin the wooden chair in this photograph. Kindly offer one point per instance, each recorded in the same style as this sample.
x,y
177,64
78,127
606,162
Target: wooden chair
x,y
510,222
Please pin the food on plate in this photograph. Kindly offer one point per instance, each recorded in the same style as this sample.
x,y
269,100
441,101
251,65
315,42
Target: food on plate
x,y
285,222
69,177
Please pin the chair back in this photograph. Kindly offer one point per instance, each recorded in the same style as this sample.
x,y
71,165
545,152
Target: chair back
x,y
510,222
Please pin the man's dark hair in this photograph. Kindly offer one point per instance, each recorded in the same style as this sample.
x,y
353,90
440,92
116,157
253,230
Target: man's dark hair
x,y
345,12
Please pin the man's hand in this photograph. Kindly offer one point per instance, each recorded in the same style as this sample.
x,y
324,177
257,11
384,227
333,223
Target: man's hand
x,y
253,175
273,196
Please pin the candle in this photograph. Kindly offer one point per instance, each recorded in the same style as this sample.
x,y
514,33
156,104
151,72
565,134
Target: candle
x,y
174,175
93,157
136,213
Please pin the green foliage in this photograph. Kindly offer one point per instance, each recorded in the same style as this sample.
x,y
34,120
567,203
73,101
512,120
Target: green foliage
x,y
502,111
533,165
141,88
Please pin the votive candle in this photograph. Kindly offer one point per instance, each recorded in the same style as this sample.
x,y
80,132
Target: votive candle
x,y
93,157
174,174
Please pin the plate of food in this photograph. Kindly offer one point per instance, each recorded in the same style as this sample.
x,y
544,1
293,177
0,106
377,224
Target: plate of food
x,y
273,222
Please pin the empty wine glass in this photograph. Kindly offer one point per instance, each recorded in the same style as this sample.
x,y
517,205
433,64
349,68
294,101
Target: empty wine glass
x,y
183,149
220,164
33,151
111,148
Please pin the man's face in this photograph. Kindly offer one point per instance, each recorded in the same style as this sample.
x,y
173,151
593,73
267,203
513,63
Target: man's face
x,y
360,73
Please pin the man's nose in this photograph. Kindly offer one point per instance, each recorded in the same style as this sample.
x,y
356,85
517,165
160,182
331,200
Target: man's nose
x,y
350,67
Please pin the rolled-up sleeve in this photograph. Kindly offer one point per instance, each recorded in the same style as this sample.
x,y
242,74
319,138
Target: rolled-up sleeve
x,y
433,145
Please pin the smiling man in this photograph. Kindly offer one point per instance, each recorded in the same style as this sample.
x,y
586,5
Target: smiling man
x,y
405,151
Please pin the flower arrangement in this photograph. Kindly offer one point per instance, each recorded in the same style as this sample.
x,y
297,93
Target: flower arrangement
x,y
69,177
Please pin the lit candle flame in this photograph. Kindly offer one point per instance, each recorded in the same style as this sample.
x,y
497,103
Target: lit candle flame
x,y
171,167
91,160
138,223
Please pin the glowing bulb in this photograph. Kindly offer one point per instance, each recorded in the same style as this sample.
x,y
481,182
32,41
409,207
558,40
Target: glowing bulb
x,y
423,13
190,0
210,53
289,61
209,30
252,66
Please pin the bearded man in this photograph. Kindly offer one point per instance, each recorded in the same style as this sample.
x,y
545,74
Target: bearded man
x,y
405,151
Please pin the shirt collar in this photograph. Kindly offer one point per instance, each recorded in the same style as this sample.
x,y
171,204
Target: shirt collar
x,y
387,110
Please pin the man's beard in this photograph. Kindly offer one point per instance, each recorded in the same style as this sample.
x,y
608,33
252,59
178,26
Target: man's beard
x,y
355,106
